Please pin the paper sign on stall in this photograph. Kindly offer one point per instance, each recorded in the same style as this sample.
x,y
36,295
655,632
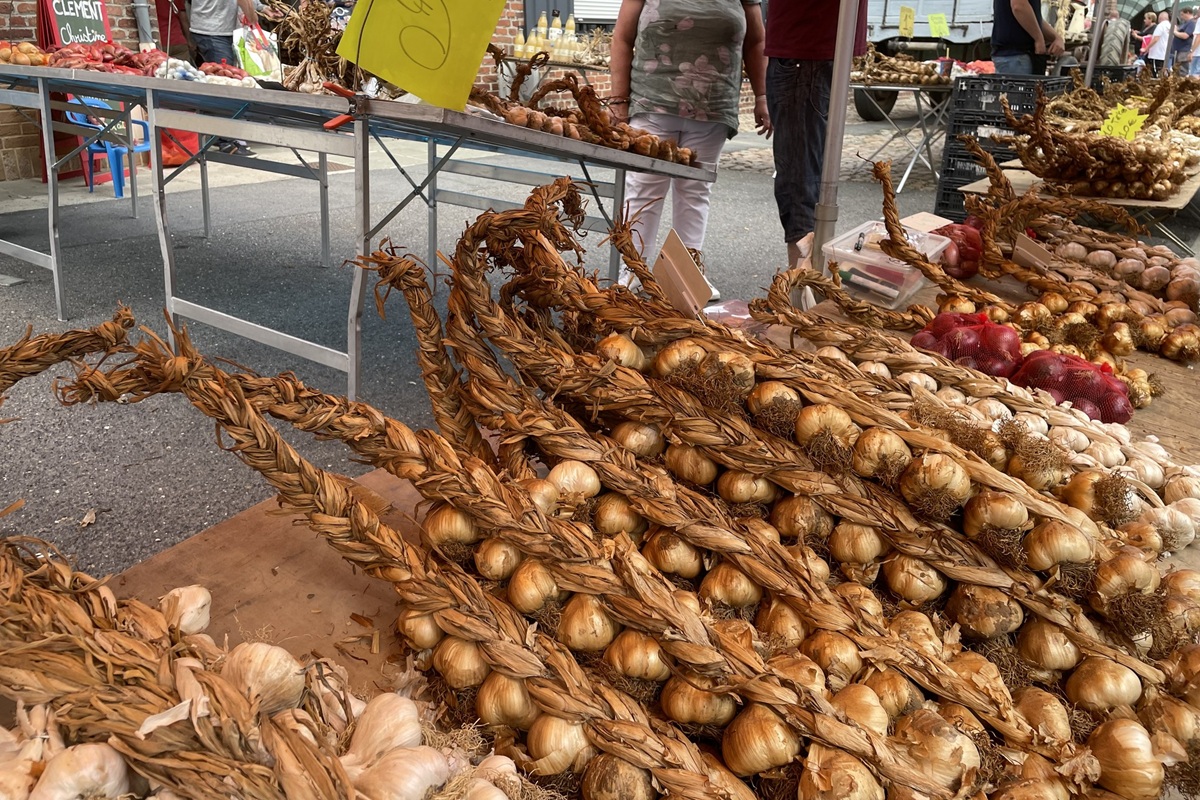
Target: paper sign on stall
x,y
938,26
430,48
680,278
1029,253
908,18
1123,122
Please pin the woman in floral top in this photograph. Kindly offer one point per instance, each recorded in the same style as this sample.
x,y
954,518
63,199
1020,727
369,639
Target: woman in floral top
x,y
677,73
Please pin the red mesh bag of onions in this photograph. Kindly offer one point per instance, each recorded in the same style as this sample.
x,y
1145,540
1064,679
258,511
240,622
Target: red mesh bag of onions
x,y
973,341
1091,388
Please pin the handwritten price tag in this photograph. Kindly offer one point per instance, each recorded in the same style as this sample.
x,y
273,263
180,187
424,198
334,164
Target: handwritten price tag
x,y
938,26
908,18
1123,122
431,48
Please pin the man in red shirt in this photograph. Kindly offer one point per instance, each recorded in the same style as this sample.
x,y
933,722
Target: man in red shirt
x,y
801,38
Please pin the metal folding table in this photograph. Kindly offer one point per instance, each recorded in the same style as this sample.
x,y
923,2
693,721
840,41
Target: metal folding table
x,y
930,123
296,121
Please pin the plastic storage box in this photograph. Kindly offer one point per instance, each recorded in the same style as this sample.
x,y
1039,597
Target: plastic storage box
x,y
869,274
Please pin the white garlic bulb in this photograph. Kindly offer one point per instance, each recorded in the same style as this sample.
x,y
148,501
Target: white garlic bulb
x,y
1099,684
402,774
83,771
187,608
389,721
1129,765
266,673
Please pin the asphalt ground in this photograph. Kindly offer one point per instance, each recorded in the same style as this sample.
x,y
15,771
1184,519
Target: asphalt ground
x,y
153,473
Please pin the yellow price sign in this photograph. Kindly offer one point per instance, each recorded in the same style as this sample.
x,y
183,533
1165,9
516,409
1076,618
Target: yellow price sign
x,y
938,26
1123,122
908,19
431,48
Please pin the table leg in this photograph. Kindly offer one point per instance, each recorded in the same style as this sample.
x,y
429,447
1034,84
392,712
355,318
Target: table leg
x,y
432,215
204,194
323,162
362,216
52,196
131,157
618,209
159,201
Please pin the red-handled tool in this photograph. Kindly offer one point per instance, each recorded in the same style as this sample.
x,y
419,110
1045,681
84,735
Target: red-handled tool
x,y
340,119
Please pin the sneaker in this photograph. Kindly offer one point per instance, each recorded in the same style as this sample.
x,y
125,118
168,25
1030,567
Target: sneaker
x,y
627,279
236,149
698,257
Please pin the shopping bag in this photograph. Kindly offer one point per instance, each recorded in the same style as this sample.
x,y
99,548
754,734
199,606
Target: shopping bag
x,y
257,53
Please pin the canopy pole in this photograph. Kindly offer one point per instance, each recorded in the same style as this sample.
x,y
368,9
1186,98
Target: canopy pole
x,y
1097,31
826,213
1171,34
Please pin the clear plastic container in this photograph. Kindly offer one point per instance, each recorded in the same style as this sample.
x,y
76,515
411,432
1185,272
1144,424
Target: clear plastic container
x,y
877,278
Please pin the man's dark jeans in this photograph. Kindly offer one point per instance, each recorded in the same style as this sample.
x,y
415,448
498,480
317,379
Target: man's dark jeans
x,y
215,49
798,100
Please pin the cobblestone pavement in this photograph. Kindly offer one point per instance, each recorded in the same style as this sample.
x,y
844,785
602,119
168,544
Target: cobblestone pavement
x,y
861,140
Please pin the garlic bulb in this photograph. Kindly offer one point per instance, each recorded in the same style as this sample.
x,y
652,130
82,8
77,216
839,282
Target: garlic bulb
x,y
757,740
585,625
1099,684
926,382
1107,454
1141,536
1103,497
948,754
1045,645
961,718
496,559
835,654
265,673
690,464
402,774
860,597
913,579
935,484
1160,711
800,518
83,771
999,511
1181,486
1126,573
874,368
1146,471
645,441
1174,527
624,351
1035,789
857,544
636,655
728,585
769,393
678,355
1189,507
187,608
951,396
724,782
1071,439
831,352
825,425
389,721
1045,714
860,703
1185,582
1054,542
446,525
531,587
673,555
575,481
800,670
897,694
816,567
542,493
505,701
614,514
460,663
1040,475
1034,423
832,774
742,487
558,745
684,702
879,453
1128,764
918,632
780,623
736,366
983,612
992,409
610,778
977,670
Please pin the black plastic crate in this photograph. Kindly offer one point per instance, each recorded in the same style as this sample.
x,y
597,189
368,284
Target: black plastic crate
x,y
959,169
949,203
982,127
982,93
1115,74
955,151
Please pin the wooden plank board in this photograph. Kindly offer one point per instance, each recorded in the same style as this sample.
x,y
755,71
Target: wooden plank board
x,y
274,580
1023,180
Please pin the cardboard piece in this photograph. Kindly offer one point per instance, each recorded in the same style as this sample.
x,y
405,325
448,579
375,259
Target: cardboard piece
x,y
680,278
1029,253
938,26
925,222
908,18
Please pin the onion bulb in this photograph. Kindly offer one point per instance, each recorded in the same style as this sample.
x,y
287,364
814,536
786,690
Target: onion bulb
x,y
824,426
1128,764
645,441
757,740
608,777
672,554
1046,715
460,663
614,514
780,623
1054,542
860,703
800,518
574,480
742,487
684,701
880,453
948,755
897,694
983,612
1045,645
1103,497
1126,573
769,393
998,511
678,355
832,774
496,559
531,587
420,629
585,625
739,368
860,598
729,586
836,655
913,579
690,464
624,351
505,701
800,670
446,525
558,746
542,492
917,631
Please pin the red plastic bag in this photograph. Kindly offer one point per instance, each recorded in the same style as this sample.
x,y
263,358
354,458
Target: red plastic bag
x,y
172,154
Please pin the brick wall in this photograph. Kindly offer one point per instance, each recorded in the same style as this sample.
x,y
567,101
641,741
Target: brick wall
x,y
20,145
